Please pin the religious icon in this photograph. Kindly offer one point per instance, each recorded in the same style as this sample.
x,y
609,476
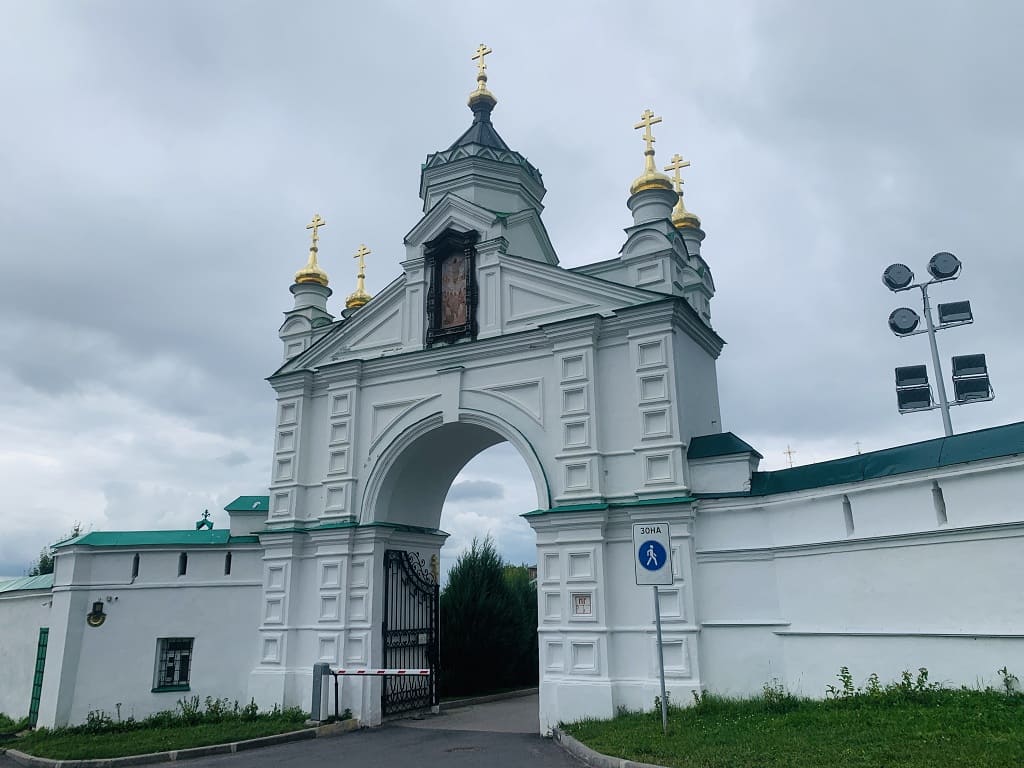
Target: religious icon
x,y
453,291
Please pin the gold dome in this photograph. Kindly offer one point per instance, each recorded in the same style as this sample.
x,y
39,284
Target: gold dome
x,y
311,273
650,178
360,297
680,216
481,93
683,218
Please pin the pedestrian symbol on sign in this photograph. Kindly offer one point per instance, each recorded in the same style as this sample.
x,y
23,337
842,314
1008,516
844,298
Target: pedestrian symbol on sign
x,y
652,555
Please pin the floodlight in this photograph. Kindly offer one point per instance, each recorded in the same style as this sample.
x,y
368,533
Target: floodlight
x,y
903,321
975,388
913,399
897,277
970,378
969,365
955,312
944,266
912,376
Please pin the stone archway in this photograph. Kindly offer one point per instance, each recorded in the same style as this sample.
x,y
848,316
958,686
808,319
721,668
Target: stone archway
x,y
409,481
405,492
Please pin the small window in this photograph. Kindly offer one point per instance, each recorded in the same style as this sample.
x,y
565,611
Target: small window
x,y
227,564
173,662
182,563
135,566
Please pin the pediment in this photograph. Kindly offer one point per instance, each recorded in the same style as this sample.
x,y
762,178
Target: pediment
x,y
645,242
535,293
377,326
528,237
295,324
452,212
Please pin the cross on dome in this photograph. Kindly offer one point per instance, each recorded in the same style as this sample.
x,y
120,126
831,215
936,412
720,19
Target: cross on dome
x,y
481,63
312,273
647,119
676,164
650,178
315,224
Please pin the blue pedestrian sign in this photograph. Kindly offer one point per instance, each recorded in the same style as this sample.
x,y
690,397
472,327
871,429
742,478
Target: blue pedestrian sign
x,y
652,552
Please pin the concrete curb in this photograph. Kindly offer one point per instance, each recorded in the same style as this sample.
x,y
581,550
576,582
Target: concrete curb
x,y
590,757
457,703
332,729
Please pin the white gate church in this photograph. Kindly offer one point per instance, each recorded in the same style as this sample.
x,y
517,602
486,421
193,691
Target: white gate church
x,y
598,376
603,378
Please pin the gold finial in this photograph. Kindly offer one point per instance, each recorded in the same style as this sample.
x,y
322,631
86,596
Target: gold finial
x,y
650,178
311,273
481,92
680,216
360,297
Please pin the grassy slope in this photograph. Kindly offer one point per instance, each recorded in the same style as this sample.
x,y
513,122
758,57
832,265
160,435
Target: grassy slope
x,y
64,746
951,729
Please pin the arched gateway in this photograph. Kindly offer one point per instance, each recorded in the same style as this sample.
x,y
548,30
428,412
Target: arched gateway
x,y
598,375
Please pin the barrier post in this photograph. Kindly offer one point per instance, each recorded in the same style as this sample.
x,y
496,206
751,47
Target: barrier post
x,y
316,706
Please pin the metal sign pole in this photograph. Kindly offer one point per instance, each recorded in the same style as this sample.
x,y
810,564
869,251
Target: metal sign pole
x,y
652,550
661,663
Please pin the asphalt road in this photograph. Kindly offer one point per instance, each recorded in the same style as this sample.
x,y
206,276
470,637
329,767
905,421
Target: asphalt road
x,y
501,734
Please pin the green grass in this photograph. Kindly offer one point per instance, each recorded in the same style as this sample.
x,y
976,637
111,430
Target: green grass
x,y
72,744
193,723
7,725
896,729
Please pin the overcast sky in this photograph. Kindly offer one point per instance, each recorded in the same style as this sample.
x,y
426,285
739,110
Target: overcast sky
x,y
159,161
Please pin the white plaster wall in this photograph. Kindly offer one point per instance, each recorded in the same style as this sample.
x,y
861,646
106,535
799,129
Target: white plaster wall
x,y
788,590
96,668
22,613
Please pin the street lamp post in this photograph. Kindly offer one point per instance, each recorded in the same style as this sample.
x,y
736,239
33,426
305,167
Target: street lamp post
x,y
970,372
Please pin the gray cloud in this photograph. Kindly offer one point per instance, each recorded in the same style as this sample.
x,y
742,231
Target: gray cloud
x,y
161,159
475,490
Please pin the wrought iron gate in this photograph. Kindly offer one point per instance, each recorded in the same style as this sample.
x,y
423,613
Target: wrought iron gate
x,y
411,639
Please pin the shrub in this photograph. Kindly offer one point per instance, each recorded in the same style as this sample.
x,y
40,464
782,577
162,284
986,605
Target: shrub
x,y
488,624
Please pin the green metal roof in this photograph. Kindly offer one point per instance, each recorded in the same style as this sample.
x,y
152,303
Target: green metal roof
x,y
27,582
721,444
205,538
1007,440
249,504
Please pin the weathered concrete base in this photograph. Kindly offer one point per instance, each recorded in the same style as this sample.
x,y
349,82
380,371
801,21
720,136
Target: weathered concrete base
x,y
332,729
592,758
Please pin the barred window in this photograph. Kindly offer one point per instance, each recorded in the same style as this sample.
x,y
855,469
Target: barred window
x,y
173,661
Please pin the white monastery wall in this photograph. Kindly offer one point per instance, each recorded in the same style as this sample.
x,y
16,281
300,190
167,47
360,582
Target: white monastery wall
x,y
95,668
794,586
22,614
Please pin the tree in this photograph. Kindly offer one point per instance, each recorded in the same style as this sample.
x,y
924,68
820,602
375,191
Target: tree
x,y
488,624
45,563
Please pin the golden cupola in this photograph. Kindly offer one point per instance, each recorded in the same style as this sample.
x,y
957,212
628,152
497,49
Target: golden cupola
x,y
312,273
650,178
360,297
681,217
481,97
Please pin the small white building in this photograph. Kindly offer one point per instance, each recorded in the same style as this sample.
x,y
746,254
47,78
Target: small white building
x,y
603,377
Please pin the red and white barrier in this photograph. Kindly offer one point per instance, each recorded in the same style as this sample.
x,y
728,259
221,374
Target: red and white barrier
x,y
380,672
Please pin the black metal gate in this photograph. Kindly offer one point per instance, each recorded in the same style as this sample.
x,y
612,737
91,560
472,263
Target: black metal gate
x,y
410,632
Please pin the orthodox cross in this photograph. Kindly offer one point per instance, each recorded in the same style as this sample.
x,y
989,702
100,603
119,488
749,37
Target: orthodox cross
x,y
677,164
361,254
481,64
647,119
206,522
789,454
315,224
